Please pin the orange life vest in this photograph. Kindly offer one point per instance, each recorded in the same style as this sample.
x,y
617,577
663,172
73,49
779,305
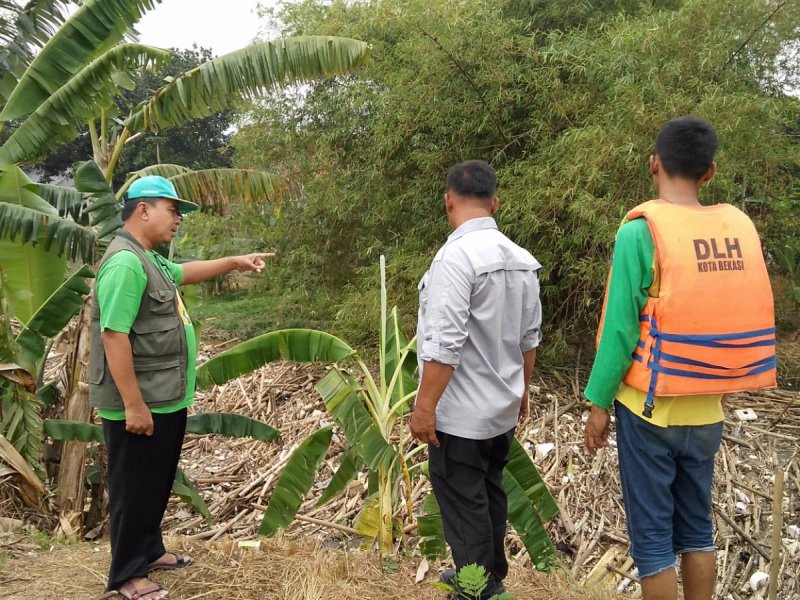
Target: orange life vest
x,y
711,330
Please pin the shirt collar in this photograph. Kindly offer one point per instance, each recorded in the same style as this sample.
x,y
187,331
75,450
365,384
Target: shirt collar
x,y
472,225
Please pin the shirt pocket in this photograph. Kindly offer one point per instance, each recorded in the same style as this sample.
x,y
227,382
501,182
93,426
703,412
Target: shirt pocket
x,y
422,287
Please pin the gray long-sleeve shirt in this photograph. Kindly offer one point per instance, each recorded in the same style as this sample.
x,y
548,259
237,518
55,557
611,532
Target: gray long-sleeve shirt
x,y
479,310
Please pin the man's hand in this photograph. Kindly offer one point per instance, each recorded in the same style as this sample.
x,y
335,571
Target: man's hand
x,y
524,408
139,419
252,262
423,425
595,435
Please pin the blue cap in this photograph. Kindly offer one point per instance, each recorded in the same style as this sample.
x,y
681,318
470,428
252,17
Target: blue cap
x,y
155,186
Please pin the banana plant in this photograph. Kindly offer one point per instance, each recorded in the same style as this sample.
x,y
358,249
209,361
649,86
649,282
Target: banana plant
x,y
225,424
371,411
62,71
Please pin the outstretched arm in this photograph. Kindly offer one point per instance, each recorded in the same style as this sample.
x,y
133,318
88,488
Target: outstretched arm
x,y
201,270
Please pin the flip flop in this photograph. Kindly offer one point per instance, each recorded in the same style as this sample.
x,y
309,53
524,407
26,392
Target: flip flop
x,y
134,593
180,562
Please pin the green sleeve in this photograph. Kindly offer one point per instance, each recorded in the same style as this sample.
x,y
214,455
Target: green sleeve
x,y
631,276
120,285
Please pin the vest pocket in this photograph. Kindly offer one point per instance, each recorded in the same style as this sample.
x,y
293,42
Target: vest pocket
x,y
162,302
160,381
157,336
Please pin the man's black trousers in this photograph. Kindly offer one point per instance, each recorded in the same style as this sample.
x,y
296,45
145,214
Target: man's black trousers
x,y
141,470
467,478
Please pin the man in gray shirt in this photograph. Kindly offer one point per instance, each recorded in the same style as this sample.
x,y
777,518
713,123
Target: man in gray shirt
x,y
478,328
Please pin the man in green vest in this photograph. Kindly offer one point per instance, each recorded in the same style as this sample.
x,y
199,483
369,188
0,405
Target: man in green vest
x,y
142,376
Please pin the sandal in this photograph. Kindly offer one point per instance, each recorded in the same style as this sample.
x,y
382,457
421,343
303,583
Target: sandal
x,y
131,592
180,562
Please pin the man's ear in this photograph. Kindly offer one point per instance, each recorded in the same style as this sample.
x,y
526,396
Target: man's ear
x,y
709,175
493,206
655,164
448,202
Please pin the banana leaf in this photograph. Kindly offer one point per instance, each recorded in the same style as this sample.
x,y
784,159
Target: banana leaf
x,y
82,98
218,189
295,481
523,516
71,431
300,345
67,201
51,317
521,467
245,74
231,425
183,488
349,465
431,531
342,397
165,170
31,273
368,518
394,345
94,28
102,205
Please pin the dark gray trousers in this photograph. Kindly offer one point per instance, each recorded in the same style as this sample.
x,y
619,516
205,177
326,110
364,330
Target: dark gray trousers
x,y
141,470
467,479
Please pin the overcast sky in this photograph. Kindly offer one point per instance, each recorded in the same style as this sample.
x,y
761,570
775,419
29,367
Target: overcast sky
x,y
222,25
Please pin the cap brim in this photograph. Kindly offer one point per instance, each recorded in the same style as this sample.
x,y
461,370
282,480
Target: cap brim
x,y
186,207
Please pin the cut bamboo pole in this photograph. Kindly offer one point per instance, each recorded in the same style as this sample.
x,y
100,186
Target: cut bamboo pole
x,y
777,526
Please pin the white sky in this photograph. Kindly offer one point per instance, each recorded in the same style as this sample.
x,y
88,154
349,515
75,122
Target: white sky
x,y
222,25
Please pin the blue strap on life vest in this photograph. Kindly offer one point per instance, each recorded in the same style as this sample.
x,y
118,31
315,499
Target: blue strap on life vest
x,y
705,340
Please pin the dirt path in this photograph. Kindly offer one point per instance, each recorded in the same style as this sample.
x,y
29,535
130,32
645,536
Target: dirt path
x,y
278,570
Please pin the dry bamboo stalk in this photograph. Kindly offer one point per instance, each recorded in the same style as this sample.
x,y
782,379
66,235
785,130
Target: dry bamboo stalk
x,y
777,526
756,546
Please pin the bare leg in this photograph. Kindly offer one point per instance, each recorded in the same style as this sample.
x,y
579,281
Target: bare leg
x,y
698,570
663,586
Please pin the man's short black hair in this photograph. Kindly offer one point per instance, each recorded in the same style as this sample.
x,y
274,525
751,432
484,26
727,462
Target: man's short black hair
x,y
472,178
686,147
130,205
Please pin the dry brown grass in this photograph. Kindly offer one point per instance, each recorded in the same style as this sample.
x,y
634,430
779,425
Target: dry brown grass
x,y
280,569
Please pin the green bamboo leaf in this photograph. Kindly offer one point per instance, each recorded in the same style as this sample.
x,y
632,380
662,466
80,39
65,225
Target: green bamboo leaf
x,y
521,467
349,465
57,118
295,481
300,345
51,317
231,425
183,488
70,431
94,28
344,401
525,519
246,74
431,530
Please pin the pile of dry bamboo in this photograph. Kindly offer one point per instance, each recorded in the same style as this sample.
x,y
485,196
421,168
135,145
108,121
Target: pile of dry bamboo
x,y
758,462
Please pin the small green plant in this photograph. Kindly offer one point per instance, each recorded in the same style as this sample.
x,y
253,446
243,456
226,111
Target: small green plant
x,y
470,582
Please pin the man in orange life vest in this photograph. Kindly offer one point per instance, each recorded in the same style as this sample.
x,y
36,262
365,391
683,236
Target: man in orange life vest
x,y
688,317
